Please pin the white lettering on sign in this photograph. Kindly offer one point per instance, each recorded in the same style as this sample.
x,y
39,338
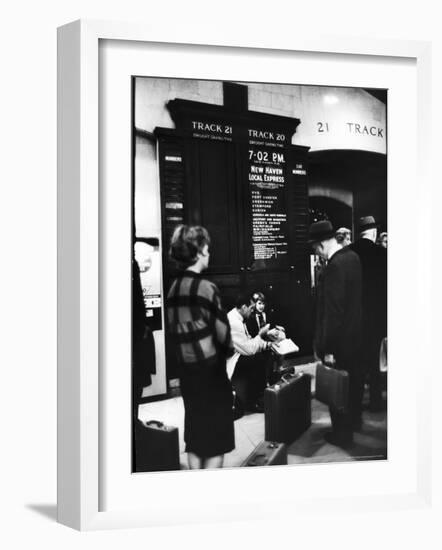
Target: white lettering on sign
x,y
173,159
266,156
266,134
261,134
299,172
211,127
277,179
271,170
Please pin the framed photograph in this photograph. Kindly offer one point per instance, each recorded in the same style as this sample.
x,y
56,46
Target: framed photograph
x,y
213,199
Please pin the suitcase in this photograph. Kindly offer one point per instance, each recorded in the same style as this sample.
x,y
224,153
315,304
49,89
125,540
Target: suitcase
x,y
332,387
287,408
267,453
156,447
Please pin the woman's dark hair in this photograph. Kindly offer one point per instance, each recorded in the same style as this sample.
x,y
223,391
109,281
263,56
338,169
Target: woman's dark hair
x,y
186,242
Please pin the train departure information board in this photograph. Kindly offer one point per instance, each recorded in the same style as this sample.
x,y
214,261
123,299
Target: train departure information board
x,y
266,175
252,150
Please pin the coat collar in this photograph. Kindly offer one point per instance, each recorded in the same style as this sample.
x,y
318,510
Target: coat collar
x,y
339,253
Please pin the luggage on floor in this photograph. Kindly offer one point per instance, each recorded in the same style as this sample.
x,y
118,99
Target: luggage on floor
x,y
332,387
279,367
383,356
156,447
267,453
287,408
282,364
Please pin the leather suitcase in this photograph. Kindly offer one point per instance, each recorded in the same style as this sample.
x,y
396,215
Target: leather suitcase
x,y
287,408
156,447
332,387
267,453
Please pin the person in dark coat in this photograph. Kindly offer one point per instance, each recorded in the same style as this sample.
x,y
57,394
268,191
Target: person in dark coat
x,y
143,354
338,323
374,304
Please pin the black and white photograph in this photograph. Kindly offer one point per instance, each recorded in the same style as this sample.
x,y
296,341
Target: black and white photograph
x,y
259,274
217,195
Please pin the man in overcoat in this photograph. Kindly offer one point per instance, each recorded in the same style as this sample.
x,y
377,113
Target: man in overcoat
x,y
338,323
374,304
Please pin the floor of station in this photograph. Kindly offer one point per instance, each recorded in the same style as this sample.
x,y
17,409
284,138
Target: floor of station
x,y
370,442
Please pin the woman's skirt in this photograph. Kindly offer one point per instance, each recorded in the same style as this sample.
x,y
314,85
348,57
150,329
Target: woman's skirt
x,y
208,402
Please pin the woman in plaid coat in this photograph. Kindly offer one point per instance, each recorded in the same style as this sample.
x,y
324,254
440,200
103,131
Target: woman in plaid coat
x,y
201,334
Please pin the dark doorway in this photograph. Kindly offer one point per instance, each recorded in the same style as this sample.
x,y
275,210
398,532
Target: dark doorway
x,y
325,208
356,178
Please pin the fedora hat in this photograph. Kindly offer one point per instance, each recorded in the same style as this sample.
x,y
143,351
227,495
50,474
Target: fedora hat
x,y
367,222
320,231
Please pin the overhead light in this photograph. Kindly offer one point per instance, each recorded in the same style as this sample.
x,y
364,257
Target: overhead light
x,y
331,99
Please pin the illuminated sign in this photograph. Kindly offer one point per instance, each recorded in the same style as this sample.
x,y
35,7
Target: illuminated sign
x,y
342,118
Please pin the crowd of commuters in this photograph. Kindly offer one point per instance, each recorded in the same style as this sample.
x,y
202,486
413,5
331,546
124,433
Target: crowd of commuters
x,y
224,357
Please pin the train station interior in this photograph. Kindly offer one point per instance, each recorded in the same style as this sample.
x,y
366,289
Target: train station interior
x,y
256,164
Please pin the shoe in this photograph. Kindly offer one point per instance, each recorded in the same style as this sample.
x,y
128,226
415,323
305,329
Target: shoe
x,y
338,441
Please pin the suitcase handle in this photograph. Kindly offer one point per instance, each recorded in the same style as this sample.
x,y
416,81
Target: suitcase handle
x,y
156,423
258,457
290,376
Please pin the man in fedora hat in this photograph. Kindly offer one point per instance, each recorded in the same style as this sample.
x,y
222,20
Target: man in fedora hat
x,y
374,304
338,323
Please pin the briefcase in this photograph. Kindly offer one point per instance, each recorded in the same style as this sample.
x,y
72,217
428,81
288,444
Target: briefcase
x,y
332,387
267,453
156,447
287,408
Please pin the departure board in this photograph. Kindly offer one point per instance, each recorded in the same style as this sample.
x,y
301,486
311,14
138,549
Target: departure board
x,y
266,176
260,161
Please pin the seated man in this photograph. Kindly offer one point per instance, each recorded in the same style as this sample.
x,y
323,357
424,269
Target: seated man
x,y
247,366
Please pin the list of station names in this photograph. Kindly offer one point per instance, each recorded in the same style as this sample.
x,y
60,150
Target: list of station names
x,y
269,218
